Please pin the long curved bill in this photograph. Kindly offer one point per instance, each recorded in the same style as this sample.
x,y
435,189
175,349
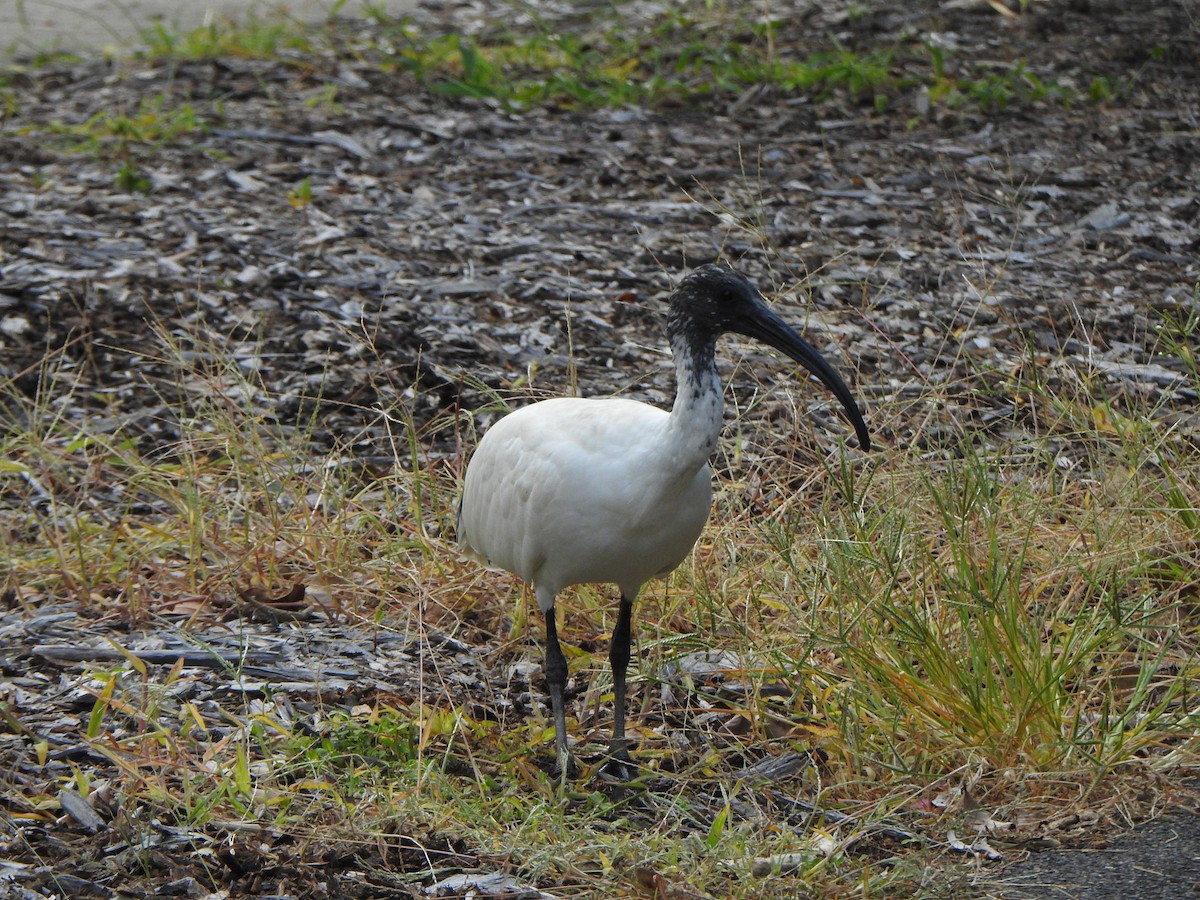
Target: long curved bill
x,y
763,325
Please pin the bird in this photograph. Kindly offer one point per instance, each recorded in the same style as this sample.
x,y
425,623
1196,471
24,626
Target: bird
x,y
575,490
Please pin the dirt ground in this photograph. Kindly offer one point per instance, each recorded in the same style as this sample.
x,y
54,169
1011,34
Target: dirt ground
x,y
462,237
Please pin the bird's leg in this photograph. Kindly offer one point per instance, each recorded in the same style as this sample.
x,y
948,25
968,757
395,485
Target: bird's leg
x,y
618,657
555,668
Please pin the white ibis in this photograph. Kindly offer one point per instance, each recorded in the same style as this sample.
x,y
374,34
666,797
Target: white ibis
x,y
577,491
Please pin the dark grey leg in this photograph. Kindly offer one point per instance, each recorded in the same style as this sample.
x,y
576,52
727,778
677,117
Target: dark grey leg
x,y
618,657
555,668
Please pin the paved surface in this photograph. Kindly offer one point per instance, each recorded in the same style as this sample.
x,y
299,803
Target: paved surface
x,y
29,26
1158,861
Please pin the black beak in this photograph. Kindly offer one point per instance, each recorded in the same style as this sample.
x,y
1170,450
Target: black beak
x,y
763,325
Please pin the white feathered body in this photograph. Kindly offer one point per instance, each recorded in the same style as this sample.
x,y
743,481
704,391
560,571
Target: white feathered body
x,y
577,491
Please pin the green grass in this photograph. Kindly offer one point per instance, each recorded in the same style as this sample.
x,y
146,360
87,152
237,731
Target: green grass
x,y
672,63
130,140
997,87
254,38
687,56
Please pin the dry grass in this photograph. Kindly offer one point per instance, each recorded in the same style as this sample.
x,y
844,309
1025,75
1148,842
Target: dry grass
x,y
1009,618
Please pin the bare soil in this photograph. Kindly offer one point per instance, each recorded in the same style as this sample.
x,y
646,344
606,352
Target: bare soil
x,y
446,238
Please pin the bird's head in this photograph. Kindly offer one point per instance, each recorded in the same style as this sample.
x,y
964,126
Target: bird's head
x,y
711,299
714,299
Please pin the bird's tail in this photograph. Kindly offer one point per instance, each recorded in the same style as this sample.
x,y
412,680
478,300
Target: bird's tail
x,y
464,542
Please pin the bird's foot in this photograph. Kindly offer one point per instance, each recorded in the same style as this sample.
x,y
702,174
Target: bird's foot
x,y
620,767
565,769
622,779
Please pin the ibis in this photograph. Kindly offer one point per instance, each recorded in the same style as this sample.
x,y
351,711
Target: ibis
x,y
580,491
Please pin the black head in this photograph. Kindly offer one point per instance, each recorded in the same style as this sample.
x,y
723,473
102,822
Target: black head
x,y
714,299
710,300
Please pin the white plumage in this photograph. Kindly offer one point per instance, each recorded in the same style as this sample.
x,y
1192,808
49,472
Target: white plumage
x,y
554,494
574,491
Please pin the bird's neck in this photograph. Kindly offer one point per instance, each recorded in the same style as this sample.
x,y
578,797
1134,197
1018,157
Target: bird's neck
x,y
696,416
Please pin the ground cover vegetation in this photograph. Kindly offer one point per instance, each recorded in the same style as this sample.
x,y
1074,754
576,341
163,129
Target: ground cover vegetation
x,y
264,285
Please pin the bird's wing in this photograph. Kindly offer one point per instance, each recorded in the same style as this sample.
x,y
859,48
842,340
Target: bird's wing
x,y
551,471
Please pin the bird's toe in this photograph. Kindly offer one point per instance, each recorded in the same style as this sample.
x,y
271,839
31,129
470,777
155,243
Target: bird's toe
x,y
620,767
564,769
